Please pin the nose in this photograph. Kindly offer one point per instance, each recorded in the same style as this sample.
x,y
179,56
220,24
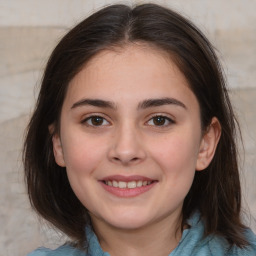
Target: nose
x,y
126,147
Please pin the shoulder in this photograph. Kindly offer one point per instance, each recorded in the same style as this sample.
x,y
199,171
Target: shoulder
x,y
62,250
92,245
195,243
220,245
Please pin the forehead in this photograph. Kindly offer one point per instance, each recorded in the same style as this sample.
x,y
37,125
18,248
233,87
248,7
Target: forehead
x,y
130,71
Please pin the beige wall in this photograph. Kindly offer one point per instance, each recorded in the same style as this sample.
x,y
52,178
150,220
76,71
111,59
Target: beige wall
x,y
29,30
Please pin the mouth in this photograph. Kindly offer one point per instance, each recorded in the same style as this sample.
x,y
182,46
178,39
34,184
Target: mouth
x,y
127,186
130,184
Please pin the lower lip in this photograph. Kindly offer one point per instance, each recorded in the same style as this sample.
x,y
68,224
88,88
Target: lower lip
x,y
127,192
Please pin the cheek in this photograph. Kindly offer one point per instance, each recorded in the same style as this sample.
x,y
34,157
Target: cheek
x,y
177,159
177,154
82,160
81,156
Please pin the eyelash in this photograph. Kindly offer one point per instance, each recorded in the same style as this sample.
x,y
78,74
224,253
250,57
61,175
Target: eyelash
x,y
88,121
165,118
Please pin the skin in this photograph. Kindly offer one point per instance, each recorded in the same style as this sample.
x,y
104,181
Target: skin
x,y
127,139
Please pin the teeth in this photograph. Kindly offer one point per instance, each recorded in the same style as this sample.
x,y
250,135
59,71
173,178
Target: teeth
x,y
115,184
122,184
139,183
130,184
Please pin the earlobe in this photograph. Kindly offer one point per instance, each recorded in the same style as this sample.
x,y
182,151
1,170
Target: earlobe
x,y
57,147
208,145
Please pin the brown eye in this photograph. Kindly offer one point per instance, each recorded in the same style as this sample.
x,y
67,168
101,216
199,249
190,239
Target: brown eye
x,y
96,121
160,121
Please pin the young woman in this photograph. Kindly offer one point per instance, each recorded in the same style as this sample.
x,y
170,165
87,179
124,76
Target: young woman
x,y
131,148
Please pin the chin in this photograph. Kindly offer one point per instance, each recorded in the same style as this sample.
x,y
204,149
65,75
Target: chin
x,y
130,221
129,225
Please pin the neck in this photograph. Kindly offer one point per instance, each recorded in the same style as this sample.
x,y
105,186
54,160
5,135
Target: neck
x,y
159,238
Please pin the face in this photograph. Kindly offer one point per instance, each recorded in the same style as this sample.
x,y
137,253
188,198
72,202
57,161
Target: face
x,y
131,138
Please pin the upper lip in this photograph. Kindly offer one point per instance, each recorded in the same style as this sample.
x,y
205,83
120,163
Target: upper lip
x,y
126,178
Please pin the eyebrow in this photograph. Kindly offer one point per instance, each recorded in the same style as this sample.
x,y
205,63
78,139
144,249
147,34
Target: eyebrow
x,y
160,102
148,103
94,102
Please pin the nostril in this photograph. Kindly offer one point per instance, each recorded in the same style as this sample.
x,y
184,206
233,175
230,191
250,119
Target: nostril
x,y
131,160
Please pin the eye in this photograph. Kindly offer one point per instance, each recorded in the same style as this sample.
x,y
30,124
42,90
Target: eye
x,y
160,120
95,121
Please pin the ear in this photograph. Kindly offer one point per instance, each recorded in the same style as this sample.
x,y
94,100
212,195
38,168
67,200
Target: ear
x,y
208,145
57,147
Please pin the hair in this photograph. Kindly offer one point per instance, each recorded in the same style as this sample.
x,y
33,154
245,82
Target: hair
x,y
215,192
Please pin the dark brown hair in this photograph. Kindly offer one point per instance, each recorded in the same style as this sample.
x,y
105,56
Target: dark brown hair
x,y
215,191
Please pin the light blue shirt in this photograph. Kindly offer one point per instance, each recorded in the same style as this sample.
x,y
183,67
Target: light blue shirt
x,y
192,243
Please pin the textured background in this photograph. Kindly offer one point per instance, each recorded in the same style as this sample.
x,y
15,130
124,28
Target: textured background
x,y
28,32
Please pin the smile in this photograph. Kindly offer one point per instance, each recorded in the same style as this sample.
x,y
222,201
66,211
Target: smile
x,y
127,186
130,184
